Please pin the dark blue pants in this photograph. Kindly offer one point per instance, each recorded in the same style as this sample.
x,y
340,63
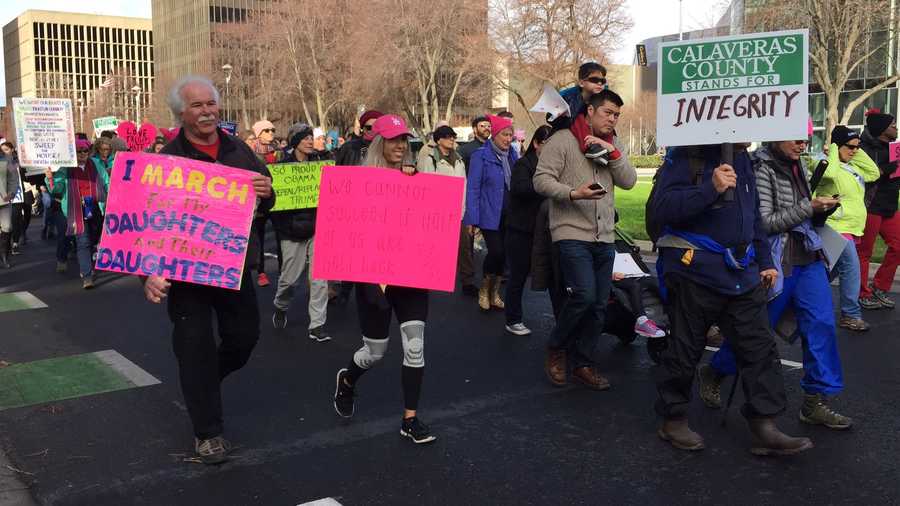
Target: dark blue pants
x,y
808,293
587,277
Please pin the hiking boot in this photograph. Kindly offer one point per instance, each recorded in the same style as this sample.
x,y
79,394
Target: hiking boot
x,y
679,435
815,411
470,290
854,324
343,395
646,327
883,297
212,451
870,303
518,329
714,337
589,377
709,384
484,294
319,334
262,279
279,318
414,429
496,301
61,267
768,440
555,367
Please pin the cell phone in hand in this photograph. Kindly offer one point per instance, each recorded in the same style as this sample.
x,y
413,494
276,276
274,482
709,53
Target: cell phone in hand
x,y
598,187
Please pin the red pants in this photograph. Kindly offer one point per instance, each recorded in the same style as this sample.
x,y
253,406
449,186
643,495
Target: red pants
x,y
889,229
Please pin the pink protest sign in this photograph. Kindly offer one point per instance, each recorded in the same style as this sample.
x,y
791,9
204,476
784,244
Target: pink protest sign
x,y
380,226
137,139
894,156
178,218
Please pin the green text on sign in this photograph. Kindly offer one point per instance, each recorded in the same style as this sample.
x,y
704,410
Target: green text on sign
x,y
752,62
296,185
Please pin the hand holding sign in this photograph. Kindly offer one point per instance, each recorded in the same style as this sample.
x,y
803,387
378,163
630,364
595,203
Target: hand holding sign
x,y
138,139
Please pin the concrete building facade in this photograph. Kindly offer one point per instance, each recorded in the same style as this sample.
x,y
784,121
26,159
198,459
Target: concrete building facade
x,y
84,57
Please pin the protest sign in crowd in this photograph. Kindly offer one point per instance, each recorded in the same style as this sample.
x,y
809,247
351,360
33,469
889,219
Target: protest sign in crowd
x,y
747,239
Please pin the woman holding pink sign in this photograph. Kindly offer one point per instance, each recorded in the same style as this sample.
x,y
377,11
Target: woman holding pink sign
x,y
376,304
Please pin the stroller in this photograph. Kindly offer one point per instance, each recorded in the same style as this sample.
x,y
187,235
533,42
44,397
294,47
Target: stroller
x,y
621,316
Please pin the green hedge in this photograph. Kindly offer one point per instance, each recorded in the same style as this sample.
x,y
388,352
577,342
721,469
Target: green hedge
x,y
646,161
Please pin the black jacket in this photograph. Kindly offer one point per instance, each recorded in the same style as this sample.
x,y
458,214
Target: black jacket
x,y
234,153
465,150
881,195
296,224
353,152
524,202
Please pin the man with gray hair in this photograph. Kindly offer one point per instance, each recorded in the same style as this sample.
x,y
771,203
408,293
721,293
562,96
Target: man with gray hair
x,y
202,364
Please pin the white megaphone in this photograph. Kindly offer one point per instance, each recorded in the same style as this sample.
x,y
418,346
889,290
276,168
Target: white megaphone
x,y
551,102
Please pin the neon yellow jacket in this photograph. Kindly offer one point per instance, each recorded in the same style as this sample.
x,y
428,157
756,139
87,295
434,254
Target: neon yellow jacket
x,y
849,181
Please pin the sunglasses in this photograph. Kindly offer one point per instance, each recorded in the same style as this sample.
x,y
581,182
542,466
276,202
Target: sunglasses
x,y
84,150
596,80
801,142
852,147
367,128
268,130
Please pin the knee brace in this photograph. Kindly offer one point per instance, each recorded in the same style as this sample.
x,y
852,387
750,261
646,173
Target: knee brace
x,y
413,336
371,353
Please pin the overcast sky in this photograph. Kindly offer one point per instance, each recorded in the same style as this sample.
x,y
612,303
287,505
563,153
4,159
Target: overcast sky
x,y
651,17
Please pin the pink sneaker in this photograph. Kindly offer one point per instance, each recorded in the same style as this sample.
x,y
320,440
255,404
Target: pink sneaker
x,y
646,327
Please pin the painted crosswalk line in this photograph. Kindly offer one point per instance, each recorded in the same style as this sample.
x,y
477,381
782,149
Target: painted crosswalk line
x,y
56,379
328,501
17,301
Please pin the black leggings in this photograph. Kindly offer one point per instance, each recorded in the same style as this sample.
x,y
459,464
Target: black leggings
x,y
495,242
634,288
375,310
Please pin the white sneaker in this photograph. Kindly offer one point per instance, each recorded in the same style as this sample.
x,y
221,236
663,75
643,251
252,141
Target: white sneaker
x,y
518,329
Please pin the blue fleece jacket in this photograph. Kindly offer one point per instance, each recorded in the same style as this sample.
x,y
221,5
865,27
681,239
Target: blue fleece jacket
x,y
697,208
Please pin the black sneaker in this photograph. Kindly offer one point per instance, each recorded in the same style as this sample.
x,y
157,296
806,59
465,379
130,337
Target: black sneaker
x,y
212,451
883,297
597,153
416,430
870,303
319,334
343,395
279,318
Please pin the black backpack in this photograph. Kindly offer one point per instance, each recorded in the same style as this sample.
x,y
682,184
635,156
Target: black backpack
x,y
653,225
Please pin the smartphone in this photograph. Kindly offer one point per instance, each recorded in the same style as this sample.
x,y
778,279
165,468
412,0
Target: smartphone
x,y
598,187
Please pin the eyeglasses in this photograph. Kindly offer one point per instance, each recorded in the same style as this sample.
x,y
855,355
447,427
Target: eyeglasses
x,y
596,80
84,150
801,142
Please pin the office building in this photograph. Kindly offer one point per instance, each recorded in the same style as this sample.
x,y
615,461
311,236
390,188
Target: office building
x,y
103,63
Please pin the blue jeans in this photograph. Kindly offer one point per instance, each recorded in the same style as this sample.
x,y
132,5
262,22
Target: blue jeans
x,y
848,272
587,277
808,292
84,251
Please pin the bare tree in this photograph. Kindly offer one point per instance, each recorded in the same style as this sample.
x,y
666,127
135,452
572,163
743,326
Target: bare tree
x,y
842,37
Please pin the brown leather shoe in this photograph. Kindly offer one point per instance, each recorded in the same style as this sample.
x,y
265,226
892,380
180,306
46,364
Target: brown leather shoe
x,y
589,377
768,440
679,435
555,367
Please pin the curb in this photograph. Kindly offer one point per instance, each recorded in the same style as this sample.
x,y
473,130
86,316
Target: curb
x,y
13,492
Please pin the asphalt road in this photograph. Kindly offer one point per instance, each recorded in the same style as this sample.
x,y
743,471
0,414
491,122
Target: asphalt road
x,y
505,435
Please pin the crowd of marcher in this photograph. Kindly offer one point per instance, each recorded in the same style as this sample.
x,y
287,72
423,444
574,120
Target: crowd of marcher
x,y
748,243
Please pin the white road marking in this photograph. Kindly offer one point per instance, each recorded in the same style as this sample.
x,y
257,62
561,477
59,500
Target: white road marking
x,y
29,300
786,363
328,501
128,369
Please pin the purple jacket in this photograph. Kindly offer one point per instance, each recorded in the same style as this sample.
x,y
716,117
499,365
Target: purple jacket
x,y
486,188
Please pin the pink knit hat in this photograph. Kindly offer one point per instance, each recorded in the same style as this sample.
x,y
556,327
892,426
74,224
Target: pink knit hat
x,y
498,124
82,144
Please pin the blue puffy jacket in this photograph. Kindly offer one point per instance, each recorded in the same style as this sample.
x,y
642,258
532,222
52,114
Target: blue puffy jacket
x,y
486,188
